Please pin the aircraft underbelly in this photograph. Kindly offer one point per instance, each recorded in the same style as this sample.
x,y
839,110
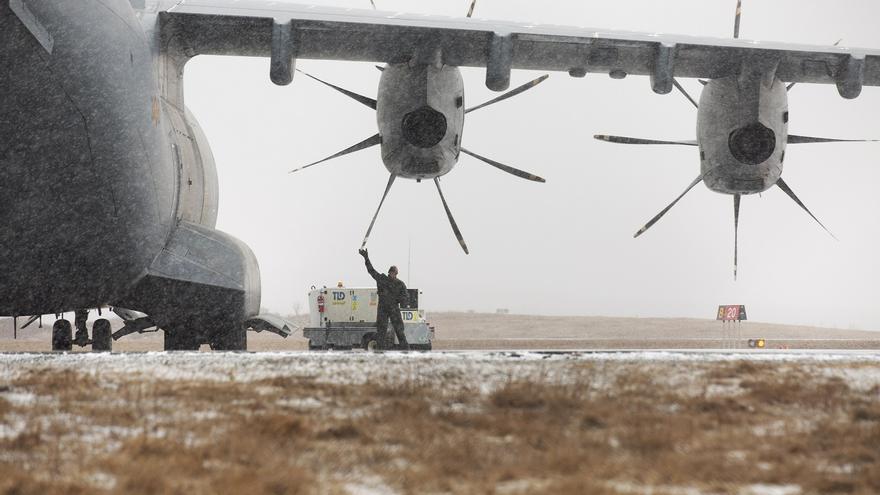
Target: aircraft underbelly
x,y
86,189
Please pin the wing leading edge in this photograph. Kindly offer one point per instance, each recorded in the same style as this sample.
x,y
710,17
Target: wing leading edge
x,y
285,32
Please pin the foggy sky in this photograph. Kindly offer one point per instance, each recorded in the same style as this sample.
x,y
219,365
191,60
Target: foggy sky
x,y
564,247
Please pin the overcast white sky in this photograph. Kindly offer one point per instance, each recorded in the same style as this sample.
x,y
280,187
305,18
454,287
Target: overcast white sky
x,y
564,247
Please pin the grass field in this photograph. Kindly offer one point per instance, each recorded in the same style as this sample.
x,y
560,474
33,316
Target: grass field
x,y
475,422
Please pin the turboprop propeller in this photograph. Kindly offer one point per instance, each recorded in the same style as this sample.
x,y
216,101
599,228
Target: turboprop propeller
x,y
417,132
742,131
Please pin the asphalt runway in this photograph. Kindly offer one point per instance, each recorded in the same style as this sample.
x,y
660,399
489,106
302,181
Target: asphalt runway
x,y
271,343
502,352
479,331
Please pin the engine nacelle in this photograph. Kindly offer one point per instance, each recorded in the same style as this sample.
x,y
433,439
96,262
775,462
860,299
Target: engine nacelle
x,y
420,112
742,129
197,187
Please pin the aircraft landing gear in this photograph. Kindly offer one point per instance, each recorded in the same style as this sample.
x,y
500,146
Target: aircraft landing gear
x,y
82,333
181,340
62,336
101,335
229,338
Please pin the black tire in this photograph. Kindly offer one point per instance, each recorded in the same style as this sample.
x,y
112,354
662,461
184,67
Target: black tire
x,y
101,336
420,347
181,340
233,338
62,336
371,343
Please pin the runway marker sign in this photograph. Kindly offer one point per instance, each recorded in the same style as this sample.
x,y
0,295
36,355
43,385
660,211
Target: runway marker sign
x,y
731,312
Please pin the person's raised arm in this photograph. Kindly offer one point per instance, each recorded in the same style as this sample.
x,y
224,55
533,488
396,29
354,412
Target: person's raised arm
x,y
372,271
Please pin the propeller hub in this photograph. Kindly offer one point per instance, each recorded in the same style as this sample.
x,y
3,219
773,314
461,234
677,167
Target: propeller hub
x,y
752,144
424,127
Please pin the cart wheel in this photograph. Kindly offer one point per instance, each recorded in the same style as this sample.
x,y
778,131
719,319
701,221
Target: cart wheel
x,y
370,342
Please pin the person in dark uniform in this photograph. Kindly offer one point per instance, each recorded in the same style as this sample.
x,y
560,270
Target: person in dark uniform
x,y
392,296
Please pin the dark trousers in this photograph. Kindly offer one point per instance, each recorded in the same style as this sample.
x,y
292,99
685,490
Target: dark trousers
x,y
382,316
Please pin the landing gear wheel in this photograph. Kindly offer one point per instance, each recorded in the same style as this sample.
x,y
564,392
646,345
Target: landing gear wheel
x,y
62,336
230,339
181,340
101,339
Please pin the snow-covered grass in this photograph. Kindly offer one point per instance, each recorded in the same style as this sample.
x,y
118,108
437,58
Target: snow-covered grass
x,y
459,422
358,367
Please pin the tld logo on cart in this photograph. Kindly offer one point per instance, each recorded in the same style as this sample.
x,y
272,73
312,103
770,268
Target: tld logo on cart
x,y
338,297
409,315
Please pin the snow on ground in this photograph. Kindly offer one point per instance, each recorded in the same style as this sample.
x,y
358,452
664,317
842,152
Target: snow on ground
x,y
471,367
689,393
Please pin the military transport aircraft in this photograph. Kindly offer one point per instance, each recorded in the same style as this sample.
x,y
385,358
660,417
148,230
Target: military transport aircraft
x,y
108,185
742,130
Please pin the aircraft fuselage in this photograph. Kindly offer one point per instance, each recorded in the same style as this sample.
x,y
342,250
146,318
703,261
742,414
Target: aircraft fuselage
x,y
108,185
82,132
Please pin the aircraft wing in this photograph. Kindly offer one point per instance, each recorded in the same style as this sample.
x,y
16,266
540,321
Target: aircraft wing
x,y
264,28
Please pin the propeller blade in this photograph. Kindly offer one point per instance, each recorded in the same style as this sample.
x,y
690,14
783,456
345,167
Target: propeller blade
x,y
663,212
381,69
739,6
703,81
631,140
787,190
685,93
451,220
736,198
471,10
795,139
788,88
510,170
373,221
512,92
359,98
366,143
373,4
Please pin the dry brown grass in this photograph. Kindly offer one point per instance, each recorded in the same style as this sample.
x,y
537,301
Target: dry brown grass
x,y
587,430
